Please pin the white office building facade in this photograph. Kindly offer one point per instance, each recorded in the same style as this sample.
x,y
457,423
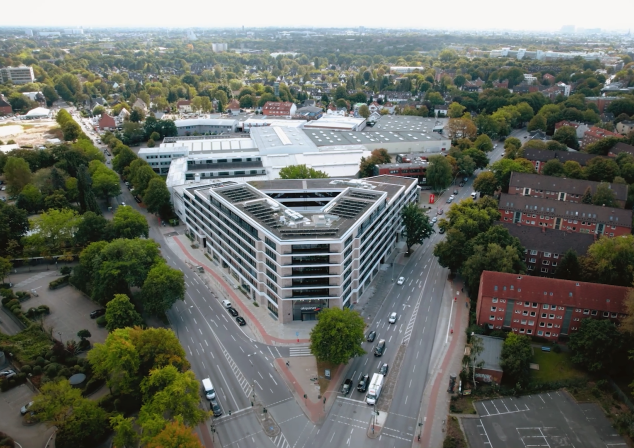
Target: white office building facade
x,y
298,246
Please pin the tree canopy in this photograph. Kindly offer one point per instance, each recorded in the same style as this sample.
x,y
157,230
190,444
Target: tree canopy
x,y
301,172
338,335
417,225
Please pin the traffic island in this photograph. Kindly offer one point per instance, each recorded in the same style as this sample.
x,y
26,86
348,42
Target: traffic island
x,y
376,424
268,423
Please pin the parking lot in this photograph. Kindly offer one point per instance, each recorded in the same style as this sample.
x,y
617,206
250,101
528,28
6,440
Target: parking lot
x,y
70,309
551,419
11,422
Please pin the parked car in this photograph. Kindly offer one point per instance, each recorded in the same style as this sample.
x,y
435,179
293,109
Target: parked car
x,y
215,408
363,383
393,318
440,211
347,385
401,280
371,336
383,370
434,220
441,230
137,199
7,374
97,313
380,348
233,311
241,321
461,184
26,408
226,304
455,192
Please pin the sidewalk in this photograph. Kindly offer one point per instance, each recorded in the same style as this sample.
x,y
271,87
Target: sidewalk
x,y
446,359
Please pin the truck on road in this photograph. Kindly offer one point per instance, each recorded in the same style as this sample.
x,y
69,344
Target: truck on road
x,y
374,391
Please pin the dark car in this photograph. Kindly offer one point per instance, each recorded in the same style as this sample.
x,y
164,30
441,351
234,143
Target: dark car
x,y
363,383
441,230
455,192
241,321
380,348
97,313
383,370
371,336
233,311
215,408
137,199
465,179
461,184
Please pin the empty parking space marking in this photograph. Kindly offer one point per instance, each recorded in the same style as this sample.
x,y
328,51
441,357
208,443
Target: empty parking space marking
x,y
488,441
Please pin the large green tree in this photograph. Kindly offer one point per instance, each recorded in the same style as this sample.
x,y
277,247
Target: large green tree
x,y
54,231
604,196
120,313
569,267
85,427
17,174
163,286
128,223
93,227
301,172
486,183
174,435
515,359
610,261
439,173
105,182
595,344
14,223
417,225
568,136
338,335
157,198
503,168
491,257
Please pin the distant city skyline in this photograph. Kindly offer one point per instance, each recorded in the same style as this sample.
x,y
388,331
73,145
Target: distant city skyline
x,y
458,15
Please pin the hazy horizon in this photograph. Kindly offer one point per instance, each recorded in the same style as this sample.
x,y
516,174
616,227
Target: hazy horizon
x,y
486,15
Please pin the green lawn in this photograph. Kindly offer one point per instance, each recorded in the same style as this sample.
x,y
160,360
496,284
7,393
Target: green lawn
x,y
554,366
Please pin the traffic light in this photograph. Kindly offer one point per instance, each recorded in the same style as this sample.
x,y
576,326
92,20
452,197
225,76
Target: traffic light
x,y
264,411
229,412
251,403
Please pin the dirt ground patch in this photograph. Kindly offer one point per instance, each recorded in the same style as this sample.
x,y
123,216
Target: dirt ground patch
x,y
455,437
322,366
33,133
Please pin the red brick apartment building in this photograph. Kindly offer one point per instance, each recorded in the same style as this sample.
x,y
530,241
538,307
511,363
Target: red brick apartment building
x,y
545,307
538,157
279,109
594,134
565,216
559,188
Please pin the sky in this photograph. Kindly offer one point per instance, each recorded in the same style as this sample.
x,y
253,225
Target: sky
x,y
424,14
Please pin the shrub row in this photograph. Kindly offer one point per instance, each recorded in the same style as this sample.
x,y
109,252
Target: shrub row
x,y
62,281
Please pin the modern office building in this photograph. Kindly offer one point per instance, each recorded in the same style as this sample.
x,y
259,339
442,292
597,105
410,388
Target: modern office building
x,y
17,75
201,126
298,246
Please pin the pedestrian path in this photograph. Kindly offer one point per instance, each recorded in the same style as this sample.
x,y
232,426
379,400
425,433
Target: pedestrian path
x,y
300,351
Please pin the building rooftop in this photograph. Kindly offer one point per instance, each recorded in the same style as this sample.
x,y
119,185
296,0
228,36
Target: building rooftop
x,y
321,137
206,122
549,240
399,123
285,140
491,351
543,155
567,210
554,291
570,186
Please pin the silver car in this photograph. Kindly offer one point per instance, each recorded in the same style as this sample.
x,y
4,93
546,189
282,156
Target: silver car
x,y
393,318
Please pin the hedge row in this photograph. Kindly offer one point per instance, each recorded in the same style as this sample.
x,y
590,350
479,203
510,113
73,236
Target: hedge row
x,y
62,281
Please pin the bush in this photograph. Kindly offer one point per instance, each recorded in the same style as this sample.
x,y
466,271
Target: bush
x,y
51,370
66,270
65,372
40,361
13,302
62,281
101,321
71,361
6,441
557,349
23,295
27,368
92,385
44,309
37,370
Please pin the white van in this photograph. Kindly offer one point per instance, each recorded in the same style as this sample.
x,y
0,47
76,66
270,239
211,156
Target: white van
x,y
474,195
226,304
210,393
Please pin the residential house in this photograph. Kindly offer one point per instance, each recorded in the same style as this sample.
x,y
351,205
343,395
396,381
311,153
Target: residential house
x,y
594,134
233,107
545,307
310,112
539,157
602,102
501,84
140,104
619,148
5,106
581,128
565,216
107,123
548,77
184,106
625,127
544,248
560,188
441,110
279,109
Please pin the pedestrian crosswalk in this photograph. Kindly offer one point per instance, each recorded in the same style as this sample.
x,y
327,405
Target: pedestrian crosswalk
x,y
300,351
280,441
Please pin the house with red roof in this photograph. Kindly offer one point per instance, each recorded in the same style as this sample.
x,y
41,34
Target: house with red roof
x,y
184,106
549,308
106,122
279,109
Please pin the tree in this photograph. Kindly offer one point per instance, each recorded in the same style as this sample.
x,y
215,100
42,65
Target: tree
x,y
472,217
601,169
477,346
56,200
174,435
512,142
123,159
17,174
456,110
569,267
503,168
486,183
603,146
30,199
479,157
461,128
116,361
611,260
301,172
381,156
162,287
53,231
491,257
14,223
125,435
157,347
451,251
56,401
515,359
483,143
537,123
417,225
338,335
92,228
86,197
466,165
567,135
553,168
71,131
120,313
85,427
627,323
157,197
573,170
105,182
604,196
5,267
141,176
594,345
128,223
439,173
364,111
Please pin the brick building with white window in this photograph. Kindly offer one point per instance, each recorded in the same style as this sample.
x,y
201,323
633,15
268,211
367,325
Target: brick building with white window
x,y
565,216
545,307
539,157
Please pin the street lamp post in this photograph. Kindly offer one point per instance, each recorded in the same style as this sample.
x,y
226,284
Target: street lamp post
x,y
60,337
252,378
